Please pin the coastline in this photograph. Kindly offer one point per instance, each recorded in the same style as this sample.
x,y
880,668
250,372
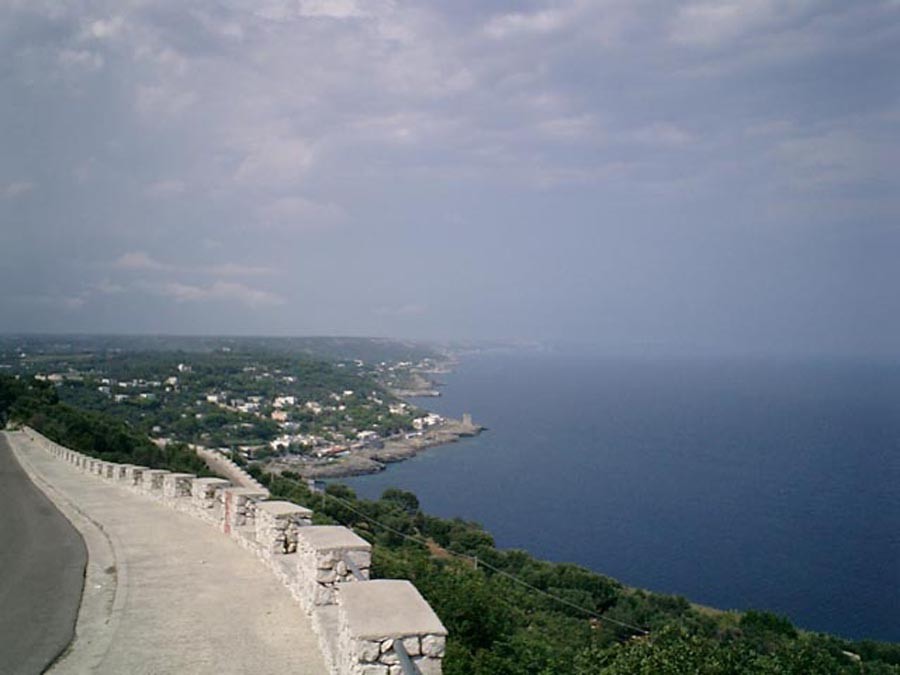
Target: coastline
x,y
375,460
394,449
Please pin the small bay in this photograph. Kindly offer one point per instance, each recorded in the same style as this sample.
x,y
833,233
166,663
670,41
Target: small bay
x,y
769,484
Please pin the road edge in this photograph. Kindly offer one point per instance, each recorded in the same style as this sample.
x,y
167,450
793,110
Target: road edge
x,y
105,582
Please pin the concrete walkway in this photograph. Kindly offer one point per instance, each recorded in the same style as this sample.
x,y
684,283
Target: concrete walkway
x,y
165,592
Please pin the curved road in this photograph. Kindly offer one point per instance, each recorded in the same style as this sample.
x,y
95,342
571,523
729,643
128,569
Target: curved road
x,y
42,563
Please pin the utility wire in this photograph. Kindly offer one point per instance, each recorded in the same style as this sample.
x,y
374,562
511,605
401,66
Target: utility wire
x,y
476,561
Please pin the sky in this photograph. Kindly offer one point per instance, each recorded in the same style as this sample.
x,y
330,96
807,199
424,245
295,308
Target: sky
x,y
712,176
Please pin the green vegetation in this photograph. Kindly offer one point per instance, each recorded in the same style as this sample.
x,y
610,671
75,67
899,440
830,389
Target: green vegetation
x,y
500,626
37,405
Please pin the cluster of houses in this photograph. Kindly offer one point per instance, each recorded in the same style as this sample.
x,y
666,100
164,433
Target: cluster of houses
x,y
283,409
251,405
429,420
120,390
338,445
405,366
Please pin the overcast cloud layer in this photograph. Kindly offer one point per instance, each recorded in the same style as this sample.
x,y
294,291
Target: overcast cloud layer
x,y
716,176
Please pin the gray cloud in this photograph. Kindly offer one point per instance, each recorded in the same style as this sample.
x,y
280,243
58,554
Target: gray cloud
x,y
687,174
139,260
16,188
219,291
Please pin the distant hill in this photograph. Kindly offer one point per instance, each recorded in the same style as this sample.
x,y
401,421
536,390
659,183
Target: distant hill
x,y
370,350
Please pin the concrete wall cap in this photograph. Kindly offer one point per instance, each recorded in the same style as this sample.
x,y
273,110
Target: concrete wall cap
x,y
283,509
386,607
320,537
212,481
246,492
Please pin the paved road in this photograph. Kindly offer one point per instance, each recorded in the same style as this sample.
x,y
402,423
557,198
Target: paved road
x,y
166,592
42,563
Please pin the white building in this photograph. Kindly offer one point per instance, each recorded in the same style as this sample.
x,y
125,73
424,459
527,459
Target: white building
x,y
430,420
282,401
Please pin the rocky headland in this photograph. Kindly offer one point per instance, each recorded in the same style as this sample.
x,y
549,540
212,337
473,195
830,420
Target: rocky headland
x,y
373,460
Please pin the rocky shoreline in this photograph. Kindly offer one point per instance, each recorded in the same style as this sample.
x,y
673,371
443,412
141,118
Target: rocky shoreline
x,y
373,460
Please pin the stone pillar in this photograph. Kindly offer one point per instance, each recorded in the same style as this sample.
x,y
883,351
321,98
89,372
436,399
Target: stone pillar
x,y
120,475
203,497
238,509
177,488
373,616
134,475
322,552
277,524
152,482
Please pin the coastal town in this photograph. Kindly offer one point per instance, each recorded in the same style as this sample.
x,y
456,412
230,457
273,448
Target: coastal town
x,y
319,418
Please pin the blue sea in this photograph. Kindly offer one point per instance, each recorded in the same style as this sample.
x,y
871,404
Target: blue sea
x,y
770,484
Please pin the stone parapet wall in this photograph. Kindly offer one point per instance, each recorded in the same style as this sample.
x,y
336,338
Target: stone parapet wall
x,y
121,471
238,506
152,482
132,475
177,485
326,555
222,465
375,618
360,622
278,525
176,490
204,497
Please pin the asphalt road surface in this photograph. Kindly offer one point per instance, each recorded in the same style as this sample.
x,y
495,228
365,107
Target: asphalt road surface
x,y
42,564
